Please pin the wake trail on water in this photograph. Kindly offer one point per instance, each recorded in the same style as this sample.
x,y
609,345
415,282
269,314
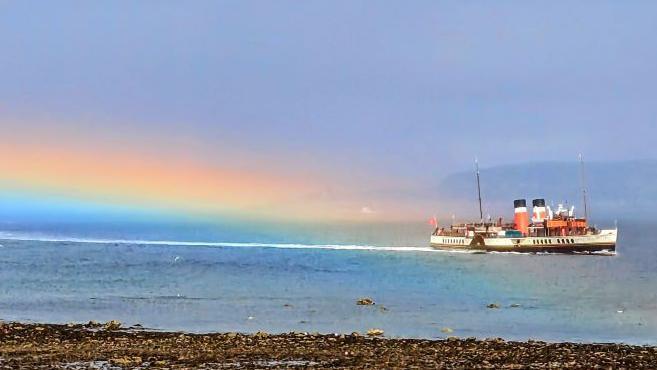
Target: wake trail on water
x,y
346,247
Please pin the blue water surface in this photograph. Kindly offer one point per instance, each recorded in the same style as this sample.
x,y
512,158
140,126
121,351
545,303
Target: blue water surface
x,y
207,279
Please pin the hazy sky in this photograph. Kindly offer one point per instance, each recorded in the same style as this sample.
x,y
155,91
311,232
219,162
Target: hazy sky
x,y
322,109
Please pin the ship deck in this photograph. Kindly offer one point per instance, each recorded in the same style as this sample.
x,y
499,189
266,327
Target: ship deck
x,y
605,240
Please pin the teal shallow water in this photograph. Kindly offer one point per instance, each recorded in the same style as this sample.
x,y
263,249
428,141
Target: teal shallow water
x,y
205,284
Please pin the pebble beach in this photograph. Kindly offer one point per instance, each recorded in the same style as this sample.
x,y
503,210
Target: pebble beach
x,y
110,346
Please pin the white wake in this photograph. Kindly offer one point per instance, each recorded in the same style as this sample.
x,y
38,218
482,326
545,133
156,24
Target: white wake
x,y
43,238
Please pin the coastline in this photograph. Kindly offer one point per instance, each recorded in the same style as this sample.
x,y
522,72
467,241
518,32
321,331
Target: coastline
x,y
108,346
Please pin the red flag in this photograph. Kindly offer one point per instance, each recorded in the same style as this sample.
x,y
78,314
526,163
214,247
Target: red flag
x,y
433,222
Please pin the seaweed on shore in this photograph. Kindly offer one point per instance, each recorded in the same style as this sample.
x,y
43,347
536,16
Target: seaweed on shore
x,y
109,347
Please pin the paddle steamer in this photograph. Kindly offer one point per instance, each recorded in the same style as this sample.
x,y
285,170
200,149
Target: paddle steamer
x,y
548,231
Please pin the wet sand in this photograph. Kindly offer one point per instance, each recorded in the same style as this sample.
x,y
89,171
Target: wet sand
x,y
74,346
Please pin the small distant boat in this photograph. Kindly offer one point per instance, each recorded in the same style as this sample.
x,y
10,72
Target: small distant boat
x,y
547,231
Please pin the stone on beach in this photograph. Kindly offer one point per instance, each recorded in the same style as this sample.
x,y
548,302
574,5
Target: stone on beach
x,y
126,361
113,325
375,332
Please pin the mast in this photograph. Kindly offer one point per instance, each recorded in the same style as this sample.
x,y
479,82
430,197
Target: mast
x,y
583,181
481,212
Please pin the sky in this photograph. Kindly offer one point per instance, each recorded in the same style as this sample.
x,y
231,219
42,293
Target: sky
x,y
310,110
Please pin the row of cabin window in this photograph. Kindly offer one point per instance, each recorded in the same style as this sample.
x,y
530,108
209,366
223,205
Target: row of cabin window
x,y
454,241
559,241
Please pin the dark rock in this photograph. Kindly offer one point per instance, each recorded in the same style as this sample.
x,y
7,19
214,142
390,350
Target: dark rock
x,y
93,324
366,301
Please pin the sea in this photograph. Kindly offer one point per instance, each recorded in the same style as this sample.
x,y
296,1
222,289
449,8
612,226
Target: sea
x,y
211,278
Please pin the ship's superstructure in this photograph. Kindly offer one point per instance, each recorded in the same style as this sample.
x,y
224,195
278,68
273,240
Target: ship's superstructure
x,y
547,230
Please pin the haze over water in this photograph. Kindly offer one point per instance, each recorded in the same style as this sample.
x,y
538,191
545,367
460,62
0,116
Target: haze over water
x,y
200,279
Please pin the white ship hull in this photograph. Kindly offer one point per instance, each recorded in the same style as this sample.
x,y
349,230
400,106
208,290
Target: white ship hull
x,y
604,240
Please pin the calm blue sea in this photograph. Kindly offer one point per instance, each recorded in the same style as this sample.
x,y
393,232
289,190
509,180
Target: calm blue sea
x,y
204,278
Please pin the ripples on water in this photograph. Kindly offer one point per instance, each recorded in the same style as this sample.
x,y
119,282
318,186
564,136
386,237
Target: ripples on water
x,y
243,286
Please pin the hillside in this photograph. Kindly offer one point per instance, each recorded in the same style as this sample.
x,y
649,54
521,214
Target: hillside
x,y
624,189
